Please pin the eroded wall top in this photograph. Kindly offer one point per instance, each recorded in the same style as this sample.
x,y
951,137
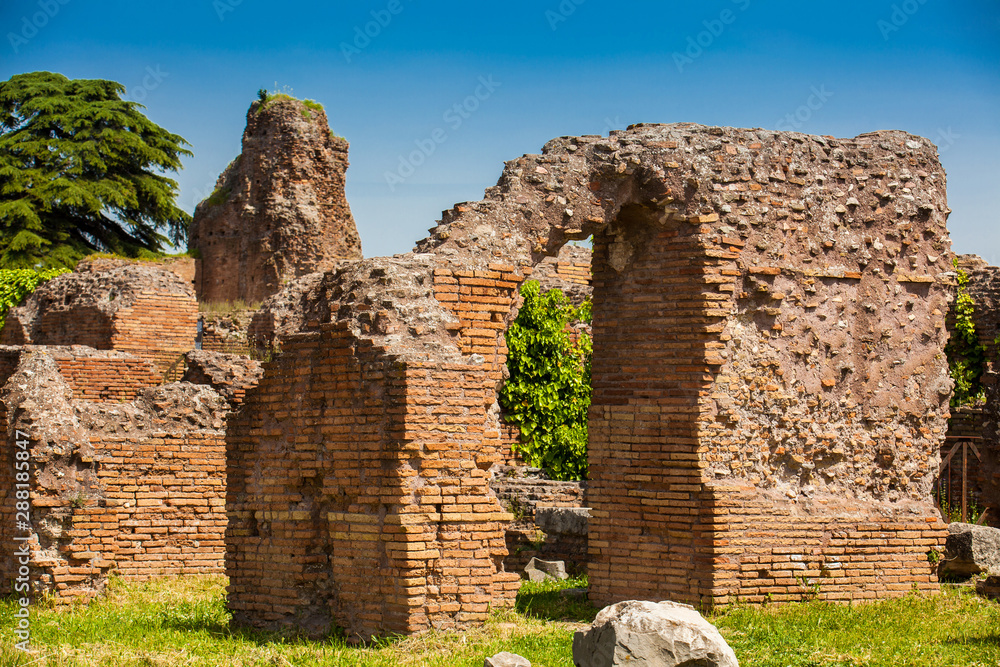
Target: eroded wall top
x,y
279,210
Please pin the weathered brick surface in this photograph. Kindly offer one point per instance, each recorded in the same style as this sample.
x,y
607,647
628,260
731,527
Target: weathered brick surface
x,y
135,307
979,421
279,210
133,487
768,334
379,467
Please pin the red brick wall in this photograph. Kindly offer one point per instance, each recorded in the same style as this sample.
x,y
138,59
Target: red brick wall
x,y
99,379
158,327
137,488
387,522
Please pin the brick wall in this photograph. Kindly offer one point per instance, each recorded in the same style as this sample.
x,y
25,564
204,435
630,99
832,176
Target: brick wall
x,y
768,334
138,308
132,487
159,327
380,466
980,421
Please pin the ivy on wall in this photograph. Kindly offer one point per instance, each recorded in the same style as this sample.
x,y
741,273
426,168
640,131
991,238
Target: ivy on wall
x,y
966,355
548,393
16,284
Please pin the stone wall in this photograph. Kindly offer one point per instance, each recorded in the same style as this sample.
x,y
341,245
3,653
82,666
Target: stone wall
x,y
278,211
135,307
523,491
979,421
136,488
768,335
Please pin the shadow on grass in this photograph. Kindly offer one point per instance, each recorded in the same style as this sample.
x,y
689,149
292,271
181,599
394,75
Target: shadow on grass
x,y
989,641
568,604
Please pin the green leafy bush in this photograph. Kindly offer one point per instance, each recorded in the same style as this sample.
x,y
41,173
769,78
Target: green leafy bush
x,y
16,284
966,355
548,393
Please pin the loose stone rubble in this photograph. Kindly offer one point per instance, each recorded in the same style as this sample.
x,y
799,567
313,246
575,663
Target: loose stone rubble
x,y
649,634
971,550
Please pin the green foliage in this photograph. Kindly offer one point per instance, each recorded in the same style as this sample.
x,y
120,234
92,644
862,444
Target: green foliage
x,y
548,393
266,99
79,173
16,284
952,511
966,355
219,196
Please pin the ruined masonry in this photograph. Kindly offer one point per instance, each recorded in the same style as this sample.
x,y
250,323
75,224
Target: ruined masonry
x,y
770,388
980,421
279,210
135,307
127,476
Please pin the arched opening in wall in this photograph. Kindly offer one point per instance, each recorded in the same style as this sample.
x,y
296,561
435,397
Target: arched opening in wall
x,y
544,405
651,339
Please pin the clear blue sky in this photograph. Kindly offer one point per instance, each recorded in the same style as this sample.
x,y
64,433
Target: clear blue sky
x,y
930,67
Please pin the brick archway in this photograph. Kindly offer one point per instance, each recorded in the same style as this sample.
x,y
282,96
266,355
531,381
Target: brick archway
x,y
755,421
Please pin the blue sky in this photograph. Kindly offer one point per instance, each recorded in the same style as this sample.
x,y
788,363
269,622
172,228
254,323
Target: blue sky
x,y
551,68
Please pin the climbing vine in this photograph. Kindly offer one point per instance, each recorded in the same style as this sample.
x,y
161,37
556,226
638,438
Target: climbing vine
x,y
16,284
966,355
548,393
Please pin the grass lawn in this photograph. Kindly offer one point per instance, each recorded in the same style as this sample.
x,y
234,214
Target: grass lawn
x,y
184,622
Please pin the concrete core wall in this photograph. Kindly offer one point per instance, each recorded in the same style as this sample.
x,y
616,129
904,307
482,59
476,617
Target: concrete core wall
x,y
770,393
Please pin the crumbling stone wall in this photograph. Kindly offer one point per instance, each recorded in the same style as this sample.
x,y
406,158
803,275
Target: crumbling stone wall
x,y
136,488
137,308
279,209
95,375
770,392
980,421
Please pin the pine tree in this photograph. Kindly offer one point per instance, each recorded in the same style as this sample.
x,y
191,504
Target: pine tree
x,y
79,173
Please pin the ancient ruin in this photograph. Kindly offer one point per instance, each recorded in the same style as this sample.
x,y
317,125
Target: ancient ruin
x,y
279,210
770,393
125,475
140,308
977,425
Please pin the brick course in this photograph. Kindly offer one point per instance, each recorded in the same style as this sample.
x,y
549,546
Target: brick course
x,y
768,383
136,487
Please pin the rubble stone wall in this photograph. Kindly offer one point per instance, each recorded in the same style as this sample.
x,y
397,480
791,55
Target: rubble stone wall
x,y
279,210
138,308
768,335
136,488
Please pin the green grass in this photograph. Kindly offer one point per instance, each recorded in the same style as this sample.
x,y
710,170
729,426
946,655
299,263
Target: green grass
x,y
184,622
955,628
